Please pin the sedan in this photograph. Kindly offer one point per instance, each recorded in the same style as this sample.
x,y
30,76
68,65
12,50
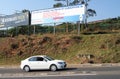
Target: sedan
x,y
42,62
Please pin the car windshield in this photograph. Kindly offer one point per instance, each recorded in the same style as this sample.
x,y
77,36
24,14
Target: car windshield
x,y
49,58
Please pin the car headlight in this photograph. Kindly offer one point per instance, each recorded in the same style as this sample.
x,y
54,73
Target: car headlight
x,y
60,62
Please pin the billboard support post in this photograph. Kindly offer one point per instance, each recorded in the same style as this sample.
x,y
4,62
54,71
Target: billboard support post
x,y
7,31
54,28
67,28
16,30
79,26
28,29
34,30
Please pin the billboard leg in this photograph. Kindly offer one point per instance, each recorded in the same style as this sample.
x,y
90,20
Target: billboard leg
x,y
28,29
67,27
54,28
6,31
34,30
16,31
79,25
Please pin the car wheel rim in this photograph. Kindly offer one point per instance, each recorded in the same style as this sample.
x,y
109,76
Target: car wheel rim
x,y
53,68
27,69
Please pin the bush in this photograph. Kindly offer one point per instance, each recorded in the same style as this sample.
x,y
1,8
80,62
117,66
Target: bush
x,y
14,45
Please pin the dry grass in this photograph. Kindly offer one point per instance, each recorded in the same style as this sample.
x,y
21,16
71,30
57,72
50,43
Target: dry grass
x,y
100,48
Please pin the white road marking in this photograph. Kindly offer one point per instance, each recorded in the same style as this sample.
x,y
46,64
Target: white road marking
x,y
43,75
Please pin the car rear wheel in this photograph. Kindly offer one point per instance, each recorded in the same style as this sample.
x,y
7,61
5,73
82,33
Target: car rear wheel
x,y
27,68
53,68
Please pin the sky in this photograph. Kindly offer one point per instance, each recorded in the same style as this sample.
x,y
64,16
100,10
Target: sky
x,y
104,8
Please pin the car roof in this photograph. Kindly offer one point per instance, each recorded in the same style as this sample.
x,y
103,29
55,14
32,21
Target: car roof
x,y
38,56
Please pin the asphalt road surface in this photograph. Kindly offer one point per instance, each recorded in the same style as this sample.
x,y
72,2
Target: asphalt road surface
x,y
74,77
80,69
68,73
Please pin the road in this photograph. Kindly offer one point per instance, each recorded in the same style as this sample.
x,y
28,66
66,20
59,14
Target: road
x,y
74,77
69,73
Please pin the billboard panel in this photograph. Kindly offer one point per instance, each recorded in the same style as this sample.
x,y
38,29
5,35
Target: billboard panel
x,y
13,20
63,14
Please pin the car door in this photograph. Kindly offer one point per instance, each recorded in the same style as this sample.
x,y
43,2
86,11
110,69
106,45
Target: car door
x,y
42,64
33,63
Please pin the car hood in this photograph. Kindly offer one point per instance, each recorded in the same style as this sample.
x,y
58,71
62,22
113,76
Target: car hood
x,y
58,60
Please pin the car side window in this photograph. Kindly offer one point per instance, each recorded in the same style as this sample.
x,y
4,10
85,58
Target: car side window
x,y
33,59
40,59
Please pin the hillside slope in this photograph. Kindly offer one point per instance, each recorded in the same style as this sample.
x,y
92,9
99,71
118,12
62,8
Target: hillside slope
x,y
99,48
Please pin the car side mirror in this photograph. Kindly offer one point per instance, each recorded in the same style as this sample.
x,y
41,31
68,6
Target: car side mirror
x,y
45,60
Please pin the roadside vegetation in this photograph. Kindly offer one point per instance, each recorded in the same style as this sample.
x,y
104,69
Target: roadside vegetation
x,y
101,48
99,43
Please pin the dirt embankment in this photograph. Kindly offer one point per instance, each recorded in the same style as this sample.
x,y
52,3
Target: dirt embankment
x,y
73,49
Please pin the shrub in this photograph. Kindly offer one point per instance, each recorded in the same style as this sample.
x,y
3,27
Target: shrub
x,y
14,45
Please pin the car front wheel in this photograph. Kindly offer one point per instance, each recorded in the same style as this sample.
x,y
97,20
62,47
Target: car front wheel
x,y
53,68
27,68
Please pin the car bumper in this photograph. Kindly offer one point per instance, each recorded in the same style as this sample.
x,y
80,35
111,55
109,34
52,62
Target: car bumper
x,y
62,66
22,66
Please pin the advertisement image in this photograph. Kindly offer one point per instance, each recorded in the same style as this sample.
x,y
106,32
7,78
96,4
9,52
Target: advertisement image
x,y
14,20
63,14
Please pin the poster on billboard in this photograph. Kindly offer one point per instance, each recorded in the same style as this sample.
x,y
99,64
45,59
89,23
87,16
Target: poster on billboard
x,y
63,14
14,20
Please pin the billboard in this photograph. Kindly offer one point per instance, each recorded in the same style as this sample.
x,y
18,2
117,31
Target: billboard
x,y
14,20
63,14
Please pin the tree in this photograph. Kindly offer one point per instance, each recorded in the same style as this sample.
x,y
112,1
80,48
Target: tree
x,y
68,2
58,5
88,12
75,2
91,12
63,1
25,10
29,14
61,5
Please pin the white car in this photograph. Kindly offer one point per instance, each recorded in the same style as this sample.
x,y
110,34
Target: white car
x,y
42,62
